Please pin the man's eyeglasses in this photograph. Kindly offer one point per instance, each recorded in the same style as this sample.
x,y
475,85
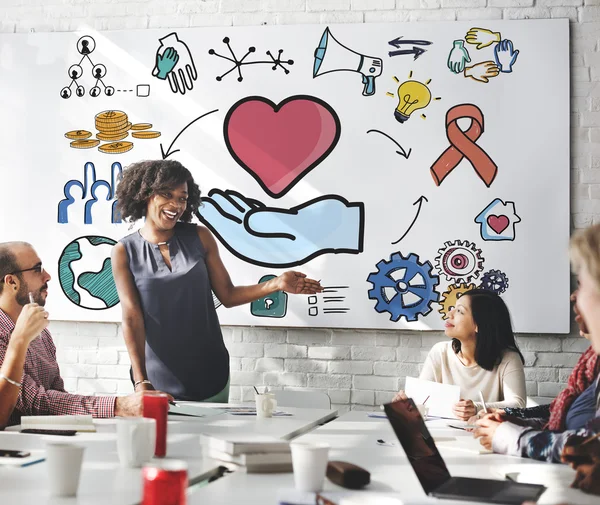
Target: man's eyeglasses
x,y
36,268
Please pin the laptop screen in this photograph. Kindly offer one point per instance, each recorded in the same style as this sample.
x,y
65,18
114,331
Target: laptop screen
x,y
418,444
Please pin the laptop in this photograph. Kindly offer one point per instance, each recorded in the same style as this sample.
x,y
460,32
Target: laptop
x,y
432,472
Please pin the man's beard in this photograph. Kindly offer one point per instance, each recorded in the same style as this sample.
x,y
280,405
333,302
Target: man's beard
x,y
23,295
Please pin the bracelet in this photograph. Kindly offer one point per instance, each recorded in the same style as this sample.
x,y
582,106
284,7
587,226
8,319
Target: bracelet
x,y
145,381
10,381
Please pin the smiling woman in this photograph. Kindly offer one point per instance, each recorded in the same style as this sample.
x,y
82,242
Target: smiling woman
x,y
481,357
165,274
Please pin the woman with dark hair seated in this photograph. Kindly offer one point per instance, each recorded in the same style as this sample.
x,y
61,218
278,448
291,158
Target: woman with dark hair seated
x,y
482,355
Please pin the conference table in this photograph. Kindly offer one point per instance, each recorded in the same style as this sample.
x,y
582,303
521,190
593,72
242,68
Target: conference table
x,y
103,481
354,437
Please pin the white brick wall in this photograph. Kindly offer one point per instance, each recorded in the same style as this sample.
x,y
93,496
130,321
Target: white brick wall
x,y
361,368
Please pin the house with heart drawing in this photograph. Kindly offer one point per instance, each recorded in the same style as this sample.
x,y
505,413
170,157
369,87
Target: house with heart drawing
x,y
497,221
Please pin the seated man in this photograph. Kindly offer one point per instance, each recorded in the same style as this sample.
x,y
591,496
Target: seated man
x,y
41,387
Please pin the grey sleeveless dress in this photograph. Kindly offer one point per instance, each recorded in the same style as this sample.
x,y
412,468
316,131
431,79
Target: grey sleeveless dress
x,y
185,353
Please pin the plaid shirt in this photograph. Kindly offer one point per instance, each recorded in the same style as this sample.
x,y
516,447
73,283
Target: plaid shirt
x,y
43,391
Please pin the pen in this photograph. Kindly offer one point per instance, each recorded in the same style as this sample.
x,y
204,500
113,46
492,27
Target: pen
x,y
483,401
597,435
31,300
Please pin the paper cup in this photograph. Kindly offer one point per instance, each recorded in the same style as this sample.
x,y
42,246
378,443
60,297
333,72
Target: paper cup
x,y
310,464
136,440
63,462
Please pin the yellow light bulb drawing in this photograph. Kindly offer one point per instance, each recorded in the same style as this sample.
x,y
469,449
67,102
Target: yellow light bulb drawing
x,y
412,96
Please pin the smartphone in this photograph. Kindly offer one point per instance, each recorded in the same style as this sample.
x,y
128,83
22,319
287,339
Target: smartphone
x,y
64,433
7,453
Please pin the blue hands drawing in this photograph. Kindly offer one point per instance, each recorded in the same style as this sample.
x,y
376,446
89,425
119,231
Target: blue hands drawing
x,y
90,185
505,55
277,237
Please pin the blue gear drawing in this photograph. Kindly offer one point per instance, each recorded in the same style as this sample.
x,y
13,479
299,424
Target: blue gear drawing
x,y
494,280
412,278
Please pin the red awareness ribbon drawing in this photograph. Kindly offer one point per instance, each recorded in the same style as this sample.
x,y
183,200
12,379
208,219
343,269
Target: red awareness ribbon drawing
x,y
463,145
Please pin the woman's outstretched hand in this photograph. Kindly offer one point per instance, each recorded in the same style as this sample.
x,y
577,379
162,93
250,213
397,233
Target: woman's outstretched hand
x,y
297,283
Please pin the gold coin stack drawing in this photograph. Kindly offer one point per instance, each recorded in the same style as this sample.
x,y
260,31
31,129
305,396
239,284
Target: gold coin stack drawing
x,y
113,126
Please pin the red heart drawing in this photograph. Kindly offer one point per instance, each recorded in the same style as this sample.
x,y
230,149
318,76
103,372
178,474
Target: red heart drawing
x,y
279,144
498,223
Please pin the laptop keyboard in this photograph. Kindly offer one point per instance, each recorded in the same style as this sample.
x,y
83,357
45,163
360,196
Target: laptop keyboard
x,y
466,486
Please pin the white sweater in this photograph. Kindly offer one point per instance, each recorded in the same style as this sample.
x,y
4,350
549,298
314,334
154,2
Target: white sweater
x,y
502,387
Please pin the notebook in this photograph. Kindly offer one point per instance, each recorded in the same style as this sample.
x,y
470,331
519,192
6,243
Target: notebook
x,y
83,423
431,470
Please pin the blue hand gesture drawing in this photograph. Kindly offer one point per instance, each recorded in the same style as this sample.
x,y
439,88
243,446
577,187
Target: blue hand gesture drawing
x,y
505,55
279,237
165,63
458,57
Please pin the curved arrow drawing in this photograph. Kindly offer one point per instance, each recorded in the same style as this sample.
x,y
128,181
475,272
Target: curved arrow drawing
x,y
169,152
420,202
402,152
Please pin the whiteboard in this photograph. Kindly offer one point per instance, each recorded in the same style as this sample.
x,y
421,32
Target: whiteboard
x,y
312,153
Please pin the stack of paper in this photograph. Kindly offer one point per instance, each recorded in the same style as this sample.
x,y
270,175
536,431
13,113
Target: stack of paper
x,y
249,453
72,423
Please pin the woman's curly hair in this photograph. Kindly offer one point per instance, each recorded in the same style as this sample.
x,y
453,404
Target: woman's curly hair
x,y
143,179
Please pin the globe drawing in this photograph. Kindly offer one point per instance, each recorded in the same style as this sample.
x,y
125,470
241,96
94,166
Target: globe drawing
x,y
85,273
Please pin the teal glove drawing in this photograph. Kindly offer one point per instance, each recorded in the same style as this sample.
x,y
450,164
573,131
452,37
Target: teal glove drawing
x,y
458,57
505,55
279,237
175,53
165,63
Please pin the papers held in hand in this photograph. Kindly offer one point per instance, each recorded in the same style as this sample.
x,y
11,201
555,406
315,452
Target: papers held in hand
x,y
442,397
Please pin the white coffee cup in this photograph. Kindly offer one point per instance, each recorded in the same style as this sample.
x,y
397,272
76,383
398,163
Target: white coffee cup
x,y
423,410
64,466
310,464
265,404
136,439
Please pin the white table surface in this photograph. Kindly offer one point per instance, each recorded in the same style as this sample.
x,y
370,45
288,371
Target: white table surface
x,y
353,438
105,482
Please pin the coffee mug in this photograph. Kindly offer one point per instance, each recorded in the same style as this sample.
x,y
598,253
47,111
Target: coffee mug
x,y
136,439
265,404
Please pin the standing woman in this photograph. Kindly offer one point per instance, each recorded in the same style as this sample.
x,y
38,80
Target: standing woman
x,y
481,356
164,275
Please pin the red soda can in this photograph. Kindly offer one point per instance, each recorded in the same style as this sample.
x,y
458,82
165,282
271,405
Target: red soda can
x,y
165,483
156,406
